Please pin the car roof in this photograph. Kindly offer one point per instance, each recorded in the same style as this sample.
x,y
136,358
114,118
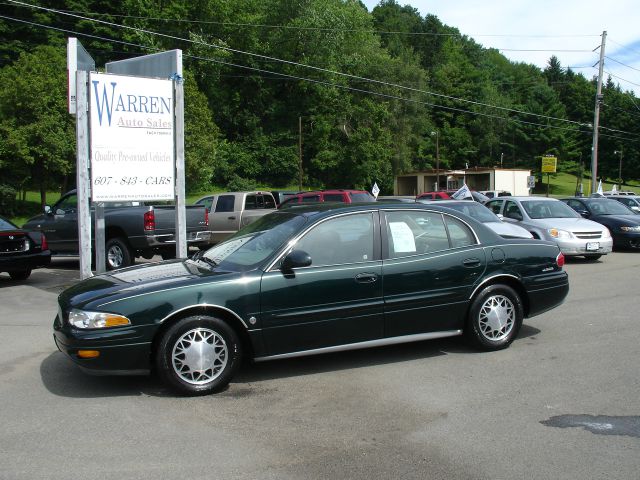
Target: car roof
x,y
524,198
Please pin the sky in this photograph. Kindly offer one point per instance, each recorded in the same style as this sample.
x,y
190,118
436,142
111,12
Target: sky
x,y
557,27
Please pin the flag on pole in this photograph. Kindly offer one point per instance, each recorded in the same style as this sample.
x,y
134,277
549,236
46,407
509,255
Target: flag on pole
x,y
614,190
462,193
375,190
599,191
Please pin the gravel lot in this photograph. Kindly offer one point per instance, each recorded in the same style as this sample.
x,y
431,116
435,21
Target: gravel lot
x,y
562,403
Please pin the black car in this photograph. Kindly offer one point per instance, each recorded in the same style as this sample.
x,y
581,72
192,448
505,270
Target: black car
x,y
307,280
21,251
621,221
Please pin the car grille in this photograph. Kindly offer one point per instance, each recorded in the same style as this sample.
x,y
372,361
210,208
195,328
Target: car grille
x,y
588,235
12,243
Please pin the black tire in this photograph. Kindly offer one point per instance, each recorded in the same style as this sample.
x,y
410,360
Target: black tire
x,y
168,255
117,254
21,275
495,318
217,356
592,258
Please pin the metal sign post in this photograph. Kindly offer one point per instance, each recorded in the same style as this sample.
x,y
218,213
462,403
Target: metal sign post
x,y
82,173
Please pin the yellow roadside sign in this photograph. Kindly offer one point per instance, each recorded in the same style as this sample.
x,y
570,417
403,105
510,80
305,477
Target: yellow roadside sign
x,y
549,164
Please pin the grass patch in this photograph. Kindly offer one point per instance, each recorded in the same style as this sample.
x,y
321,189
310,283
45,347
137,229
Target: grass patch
x,y
564,185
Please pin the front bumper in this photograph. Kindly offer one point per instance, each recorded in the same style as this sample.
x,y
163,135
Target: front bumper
x,y
122,351
627,239
580,246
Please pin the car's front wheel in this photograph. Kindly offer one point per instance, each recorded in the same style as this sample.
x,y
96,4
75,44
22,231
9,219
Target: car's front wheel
x,y
198,355
495,317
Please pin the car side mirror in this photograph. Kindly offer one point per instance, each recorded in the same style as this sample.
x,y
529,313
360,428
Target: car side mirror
x,y
295,259
584,213
47,210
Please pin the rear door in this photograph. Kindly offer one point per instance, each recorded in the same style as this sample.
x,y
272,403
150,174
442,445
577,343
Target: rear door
x,y
431,263
335,301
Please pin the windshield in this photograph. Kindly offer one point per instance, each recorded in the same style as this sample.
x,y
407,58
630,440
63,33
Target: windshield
x,y
475,211
608,207
256,242
548,209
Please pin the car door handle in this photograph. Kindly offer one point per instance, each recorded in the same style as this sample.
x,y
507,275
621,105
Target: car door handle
x,y
366,277
231,218
471,262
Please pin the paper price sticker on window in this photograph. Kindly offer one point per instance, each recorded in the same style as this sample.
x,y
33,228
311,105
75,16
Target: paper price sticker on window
x,y
402,236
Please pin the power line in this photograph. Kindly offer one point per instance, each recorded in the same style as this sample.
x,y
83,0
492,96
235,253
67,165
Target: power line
x,y
289,62
620,78
625,47
623,64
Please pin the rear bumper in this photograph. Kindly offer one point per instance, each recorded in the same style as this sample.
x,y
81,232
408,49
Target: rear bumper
x,y
21,262
546,292
193,238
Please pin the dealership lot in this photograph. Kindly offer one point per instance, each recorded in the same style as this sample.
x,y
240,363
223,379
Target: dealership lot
x,y
562,402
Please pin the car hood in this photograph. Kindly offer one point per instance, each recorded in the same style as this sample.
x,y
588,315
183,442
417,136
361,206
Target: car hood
x,y
508,230
631,219
140,279
569,224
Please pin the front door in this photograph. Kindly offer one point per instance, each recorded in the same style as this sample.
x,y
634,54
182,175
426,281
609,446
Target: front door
x,y
335,301
60,226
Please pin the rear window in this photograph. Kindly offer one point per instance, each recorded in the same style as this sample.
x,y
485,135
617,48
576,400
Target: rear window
x,y
333,197
362,197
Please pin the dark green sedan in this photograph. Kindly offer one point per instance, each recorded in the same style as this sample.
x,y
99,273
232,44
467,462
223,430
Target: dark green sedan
x,y
310,280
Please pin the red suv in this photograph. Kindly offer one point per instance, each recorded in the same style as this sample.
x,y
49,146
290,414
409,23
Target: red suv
x,y
342,196
439,195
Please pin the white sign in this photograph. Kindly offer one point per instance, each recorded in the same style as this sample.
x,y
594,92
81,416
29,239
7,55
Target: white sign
x,y
132,138
531,181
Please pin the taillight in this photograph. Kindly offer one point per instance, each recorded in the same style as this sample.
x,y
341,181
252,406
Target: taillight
x,y
44,245
560,260
206,217
149,220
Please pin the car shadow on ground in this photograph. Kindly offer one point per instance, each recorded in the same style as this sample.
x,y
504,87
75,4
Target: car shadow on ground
x,y
62,378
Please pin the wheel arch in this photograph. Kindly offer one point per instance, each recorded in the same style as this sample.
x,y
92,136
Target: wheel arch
x,y
508,280
227,316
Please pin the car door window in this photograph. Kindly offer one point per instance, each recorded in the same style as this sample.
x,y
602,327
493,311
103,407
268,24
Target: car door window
x,y
347,239
415,233
251,202
225,203
68,204
511,210
333,197
459,233
495,206
311,199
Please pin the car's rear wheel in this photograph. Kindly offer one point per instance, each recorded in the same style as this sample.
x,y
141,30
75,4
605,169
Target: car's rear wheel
x,y
198,355
118,254
495,317
21,275
592,258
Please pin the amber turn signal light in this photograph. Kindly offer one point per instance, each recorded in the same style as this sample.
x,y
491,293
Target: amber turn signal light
x,y
88,353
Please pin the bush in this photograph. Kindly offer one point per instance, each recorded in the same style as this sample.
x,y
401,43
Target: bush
x,y
7,200
239,184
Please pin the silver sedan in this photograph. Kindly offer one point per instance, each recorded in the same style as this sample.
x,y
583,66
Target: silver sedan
x,y
551,219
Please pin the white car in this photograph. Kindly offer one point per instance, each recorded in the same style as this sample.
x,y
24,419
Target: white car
x,y
551,219
484,215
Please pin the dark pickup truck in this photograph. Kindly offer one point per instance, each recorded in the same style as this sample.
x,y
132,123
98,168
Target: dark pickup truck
x,y
132,229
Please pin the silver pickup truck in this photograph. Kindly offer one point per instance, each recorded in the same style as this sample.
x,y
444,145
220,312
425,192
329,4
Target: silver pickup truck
x,y
230,211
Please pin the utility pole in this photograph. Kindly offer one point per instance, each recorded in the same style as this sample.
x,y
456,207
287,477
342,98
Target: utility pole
x,y
596,119
300,153
437,134
619,152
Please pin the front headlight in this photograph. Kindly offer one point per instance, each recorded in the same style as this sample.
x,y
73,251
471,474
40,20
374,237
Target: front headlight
x,y
630,228
557,233
83,319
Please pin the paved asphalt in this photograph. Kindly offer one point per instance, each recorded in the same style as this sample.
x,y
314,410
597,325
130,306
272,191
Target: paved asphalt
x,y
562,403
